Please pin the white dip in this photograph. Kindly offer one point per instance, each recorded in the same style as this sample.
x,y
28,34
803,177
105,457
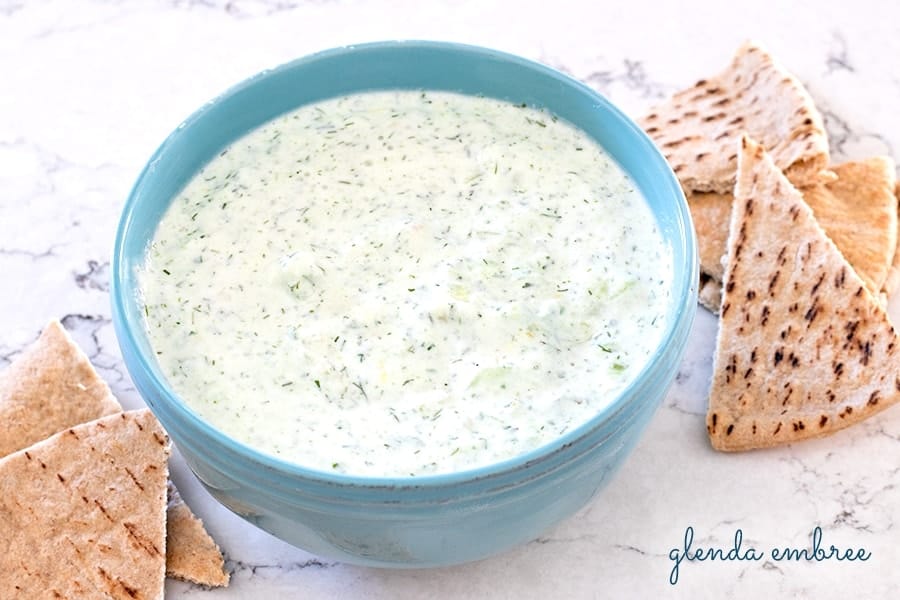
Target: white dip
x,y
405,283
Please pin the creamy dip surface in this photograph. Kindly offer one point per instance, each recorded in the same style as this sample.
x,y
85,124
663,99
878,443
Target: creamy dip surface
x,y
404,283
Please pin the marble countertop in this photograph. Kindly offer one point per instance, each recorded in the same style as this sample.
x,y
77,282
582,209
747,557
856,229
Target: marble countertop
x,y
88,89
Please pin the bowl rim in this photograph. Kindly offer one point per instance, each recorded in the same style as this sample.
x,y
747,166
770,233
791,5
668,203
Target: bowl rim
x,y
682,304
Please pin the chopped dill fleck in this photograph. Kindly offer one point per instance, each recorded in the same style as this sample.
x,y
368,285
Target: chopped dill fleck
x,y
361,389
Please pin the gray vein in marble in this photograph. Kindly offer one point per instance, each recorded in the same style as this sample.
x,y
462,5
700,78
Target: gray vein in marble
x,y
543,540
673,403
804,477
86,330
95,278
51,162
32,254
770,566
838,130
238,568
632,74
635,550
853,495
80,325
838,59
637,79
852,499
9,7
629,548
247,8
879,430
684,388
7,355
841,135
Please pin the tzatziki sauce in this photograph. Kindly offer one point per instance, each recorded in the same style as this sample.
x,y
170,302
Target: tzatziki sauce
x,y
403,283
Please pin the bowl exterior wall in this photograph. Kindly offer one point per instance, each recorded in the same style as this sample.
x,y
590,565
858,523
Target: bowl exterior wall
x,y
437,534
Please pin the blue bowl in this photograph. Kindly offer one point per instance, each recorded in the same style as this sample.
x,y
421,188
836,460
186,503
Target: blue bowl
x,y
430,520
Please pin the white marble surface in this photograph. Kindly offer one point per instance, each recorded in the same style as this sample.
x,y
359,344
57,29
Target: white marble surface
x,y
88,89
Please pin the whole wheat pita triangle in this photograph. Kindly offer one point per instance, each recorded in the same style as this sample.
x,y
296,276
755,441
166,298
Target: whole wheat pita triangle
x,y
803,348
699,129
49,387
52,386
191,554
82,513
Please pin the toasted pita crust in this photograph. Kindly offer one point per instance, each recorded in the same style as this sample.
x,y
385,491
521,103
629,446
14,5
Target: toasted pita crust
x,y
82,514
711,213
699,129
858,211
892,281
49,387
191,554
803,348
52,386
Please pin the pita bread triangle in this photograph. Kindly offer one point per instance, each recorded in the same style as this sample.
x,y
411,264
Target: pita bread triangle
x,y
191,554
698,129
82,513
803,348
49,387
52,386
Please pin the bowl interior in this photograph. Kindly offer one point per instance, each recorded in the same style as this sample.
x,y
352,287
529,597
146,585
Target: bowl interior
x,y
389,65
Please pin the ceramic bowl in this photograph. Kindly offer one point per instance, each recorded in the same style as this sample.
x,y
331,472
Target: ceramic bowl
x,y
429,520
